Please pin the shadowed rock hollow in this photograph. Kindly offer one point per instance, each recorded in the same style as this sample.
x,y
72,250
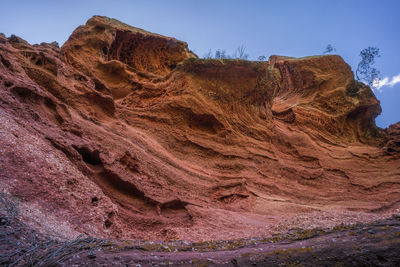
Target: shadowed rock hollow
x,y
127,134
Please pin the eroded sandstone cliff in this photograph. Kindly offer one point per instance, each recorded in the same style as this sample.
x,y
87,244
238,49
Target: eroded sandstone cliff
x,y
126,133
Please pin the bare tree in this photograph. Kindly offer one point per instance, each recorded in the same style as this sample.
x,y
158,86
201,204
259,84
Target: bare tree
x,y
208,55
241,53
329,49
365,70
221,54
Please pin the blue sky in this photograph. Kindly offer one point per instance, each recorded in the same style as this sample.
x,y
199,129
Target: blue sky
x,y
284,27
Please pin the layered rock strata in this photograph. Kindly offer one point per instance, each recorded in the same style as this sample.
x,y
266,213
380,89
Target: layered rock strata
x,y
125,133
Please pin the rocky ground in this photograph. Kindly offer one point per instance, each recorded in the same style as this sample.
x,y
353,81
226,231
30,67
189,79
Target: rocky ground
x,y
374,244
363,244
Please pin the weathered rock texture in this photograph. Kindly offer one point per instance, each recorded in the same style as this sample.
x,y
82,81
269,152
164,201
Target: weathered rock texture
x,y
126,133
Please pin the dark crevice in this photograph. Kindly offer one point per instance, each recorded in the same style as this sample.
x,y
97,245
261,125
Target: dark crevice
x,y
104,49
287,115
107,223
50,103
39,62
99,86
5,62
80,77
25,93
88,156
232,198
204,122
112,180
8,84
175,204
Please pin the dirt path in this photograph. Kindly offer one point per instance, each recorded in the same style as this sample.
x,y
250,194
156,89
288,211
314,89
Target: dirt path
x,y
364,244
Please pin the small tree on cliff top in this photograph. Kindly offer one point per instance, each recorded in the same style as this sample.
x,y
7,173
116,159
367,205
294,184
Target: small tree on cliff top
x,y
329,49
366,71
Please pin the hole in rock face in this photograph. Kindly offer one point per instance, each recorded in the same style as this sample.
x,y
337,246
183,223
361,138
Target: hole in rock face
x,y
107,223
43,61
24,93
287,115
79,77
8,84
204,122
71,181
3,221
176,209
174,205
88,156
50,103
99,28
232,198
124,187
99,86
353,88
94,199
104,49
39,62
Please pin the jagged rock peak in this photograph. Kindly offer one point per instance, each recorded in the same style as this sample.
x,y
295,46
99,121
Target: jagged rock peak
x,y
103,39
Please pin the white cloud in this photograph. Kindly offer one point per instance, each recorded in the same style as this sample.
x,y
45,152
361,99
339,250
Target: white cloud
x,y
378,84
395,79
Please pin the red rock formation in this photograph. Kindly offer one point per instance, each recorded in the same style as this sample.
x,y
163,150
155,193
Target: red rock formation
x,y
125,133
393,144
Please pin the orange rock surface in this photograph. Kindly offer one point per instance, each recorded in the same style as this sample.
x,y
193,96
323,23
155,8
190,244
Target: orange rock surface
x,y
125,133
